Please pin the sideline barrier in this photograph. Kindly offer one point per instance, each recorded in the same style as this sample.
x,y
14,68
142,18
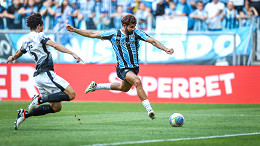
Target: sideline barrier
x,y
163,83
189,48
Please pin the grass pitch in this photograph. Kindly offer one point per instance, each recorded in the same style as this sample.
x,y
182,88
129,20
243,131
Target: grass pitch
x,y
88,123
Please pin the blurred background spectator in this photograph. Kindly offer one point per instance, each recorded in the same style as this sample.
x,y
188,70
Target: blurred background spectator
x,y
199,16
48,12
142,15
230,16
184,9
63,17
63,14
159,7
30,7
214,10
255,4
86,14
104,20
2,15
193,3
13,15
116,17
127,5
247,14
170,11
239,4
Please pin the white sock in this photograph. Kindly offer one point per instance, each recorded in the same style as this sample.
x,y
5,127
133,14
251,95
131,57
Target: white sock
x,y
105,86
147,105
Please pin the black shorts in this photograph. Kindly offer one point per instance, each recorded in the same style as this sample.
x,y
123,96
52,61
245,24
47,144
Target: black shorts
x,y
121,72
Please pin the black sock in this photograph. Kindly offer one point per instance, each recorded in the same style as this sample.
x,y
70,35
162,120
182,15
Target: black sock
x,y
56,97
41,110
26,115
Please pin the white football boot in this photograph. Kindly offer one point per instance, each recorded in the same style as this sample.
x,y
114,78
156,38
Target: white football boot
x,y
151,114
91,87
20,118
34,103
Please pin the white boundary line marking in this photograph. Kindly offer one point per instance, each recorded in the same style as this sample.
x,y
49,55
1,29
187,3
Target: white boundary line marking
x,y
178,139
161,113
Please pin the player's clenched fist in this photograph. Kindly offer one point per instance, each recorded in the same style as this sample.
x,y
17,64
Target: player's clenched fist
x,y
69,27
170,51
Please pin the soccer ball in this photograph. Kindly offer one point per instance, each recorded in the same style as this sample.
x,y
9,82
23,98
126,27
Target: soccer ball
x,y
176,120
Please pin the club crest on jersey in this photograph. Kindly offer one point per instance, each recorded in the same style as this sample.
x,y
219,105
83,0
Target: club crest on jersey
x,y
131,36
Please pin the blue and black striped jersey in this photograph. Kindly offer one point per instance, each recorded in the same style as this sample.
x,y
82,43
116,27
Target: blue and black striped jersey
x,y
125,46
230,18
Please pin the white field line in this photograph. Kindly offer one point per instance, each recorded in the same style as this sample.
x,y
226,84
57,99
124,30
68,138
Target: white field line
x,y
161,113
178,139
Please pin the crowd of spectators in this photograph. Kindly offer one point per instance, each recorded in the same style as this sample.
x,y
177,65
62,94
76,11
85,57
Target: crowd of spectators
x,y
106,14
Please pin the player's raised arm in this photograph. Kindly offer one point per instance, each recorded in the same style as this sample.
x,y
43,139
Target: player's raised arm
x,y
157,44
61,48
86,33
17,55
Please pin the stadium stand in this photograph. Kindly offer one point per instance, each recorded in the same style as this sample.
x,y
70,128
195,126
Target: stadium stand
x,y
106,15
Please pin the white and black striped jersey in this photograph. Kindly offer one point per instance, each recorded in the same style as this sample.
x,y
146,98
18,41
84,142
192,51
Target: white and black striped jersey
x,y
35,45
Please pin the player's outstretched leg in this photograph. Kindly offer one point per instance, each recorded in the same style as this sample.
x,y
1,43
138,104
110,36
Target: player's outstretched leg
x,y
91,87
34,103
94,86
38,111
56,97
20,118
149,109
35,109
135,80
41,110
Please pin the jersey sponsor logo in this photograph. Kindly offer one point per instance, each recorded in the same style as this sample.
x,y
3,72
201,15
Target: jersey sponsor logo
x,y
180,87
125,43
171,83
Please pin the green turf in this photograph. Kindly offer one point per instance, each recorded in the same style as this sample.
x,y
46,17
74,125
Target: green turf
x,y
85,123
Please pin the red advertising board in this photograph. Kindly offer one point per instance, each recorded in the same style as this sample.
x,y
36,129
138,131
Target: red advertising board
x,y
162,83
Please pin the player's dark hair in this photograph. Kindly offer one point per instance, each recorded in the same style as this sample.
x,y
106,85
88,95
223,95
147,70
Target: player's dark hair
x,y
200,2
63,6
128,19
34,20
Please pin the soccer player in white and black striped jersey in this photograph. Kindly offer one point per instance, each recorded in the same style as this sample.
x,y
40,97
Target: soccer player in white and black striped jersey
x,y
53,88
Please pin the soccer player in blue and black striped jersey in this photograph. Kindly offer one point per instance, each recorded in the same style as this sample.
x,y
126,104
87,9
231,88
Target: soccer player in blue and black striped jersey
x,y
125,43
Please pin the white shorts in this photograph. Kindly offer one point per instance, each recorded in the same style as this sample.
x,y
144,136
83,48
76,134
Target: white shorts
x,y
49,83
